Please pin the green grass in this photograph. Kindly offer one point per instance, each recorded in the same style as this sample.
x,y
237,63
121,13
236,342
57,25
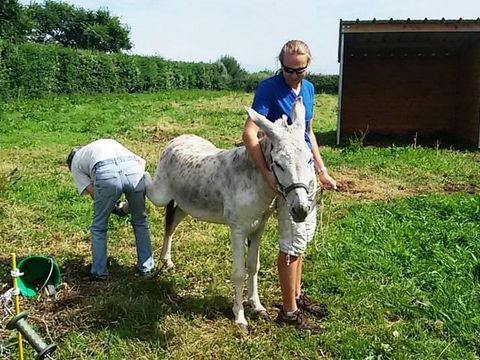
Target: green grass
x,y
396,254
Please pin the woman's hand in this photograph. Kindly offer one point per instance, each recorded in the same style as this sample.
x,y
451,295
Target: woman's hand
x,y
327,181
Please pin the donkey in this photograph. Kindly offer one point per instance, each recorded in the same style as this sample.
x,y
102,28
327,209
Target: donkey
x,y
224,186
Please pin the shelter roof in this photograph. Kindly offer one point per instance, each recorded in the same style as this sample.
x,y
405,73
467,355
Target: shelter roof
x,y
401,37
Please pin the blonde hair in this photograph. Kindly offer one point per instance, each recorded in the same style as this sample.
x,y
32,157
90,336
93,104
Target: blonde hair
x,y
297,47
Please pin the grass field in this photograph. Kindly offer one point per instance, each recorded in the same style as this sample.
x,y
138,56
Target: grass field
x,y
396,254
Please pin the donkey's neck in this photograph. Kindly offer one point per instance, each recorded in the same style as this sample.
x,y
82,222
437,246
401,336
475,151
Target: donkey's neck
x,y
264,191
240,170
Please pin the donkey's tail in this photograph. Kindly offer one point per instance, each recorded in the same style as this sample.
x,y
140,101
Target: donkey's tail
x,y
169,216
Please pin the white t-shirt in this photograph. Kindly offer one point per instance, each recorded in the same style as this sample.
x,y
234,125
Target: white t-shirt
x,y
85,159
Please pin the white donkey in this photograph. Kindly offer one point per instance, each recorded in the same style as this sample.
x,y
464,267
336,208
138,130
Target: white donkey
x,y
224,186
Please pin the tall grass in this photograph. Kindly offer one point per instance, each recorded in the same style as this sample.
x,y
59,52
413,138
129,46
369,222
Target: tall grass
x,y
395,256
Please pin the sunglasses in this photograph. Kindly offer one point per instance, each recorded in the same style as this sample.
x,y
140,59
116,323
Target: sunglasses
x,y
297,71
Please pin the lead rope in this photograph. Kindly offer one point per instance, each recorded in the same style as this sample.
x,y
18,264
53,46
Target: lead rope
x,y
46,281
321,203
324,206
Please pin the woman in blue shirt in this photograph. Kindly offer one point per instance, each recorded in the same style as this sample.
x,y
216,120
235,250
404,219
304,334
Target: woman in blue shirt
x,y
273,98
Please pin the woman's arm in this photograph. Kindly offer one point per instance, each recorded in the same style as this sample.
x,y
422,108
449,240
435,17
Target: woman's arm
x,y
320,167
252,144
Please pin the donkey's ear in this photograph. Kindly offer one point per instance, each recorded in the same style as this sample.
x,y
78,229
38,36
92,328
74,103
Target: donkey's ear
x,y
298,115
269,128
284,121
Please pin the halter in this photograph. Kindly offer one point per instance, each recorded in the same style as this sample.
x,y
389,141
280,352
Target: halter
x,y
284,190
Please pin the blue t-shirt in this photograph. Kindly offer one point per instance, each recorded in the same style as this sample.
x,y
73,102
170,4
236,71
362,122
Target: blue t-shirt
x,y
274,97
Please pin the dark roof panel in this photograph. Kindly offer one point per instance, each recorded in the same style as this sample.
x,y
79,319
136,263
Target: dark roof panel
x,y
410,21
399,35
409,25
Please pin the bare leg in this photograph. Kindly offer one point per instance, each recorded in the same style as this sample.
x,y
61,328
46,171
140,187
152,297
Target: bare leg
x,y
298,285
288,280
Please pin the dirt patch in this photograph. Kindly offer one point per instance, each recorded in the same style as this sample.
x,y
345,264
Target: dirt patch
x,y
164,131
233,102
359,186
467,188
56,316
66,312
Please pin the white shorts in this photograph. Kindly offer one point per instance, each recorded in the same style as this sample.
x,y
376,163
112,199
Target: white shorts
x,y
294,236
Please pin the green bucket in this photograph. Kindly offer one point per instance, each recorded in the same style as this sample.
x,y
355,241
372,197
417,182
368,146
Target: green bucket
x,y
38,272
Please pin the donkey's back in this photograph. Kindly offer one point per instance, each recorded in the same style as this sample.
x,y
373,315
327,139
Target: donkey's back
x,y
208,183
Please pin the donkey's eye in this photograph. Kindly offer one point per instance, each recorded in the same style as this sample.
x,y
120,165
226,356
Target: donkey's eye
x,y
278,165
310,161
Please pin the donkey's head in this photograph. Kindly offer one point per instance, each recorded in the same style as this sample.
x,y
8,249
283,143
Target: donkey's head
x,y
289,158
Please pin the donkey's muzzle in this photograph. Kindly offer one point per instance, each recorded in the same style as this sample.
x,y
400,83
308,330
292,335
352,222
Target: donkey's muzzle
x,y
299,213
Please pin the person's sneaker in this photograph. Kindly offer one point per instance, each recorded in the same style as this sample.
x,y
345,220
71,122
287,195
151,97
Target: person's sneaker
x,y
144,274
305,304
299,321
93,277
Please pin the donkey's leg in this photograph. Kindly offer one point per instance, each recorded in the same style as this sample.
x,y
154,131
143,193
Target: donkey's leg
x,y
253,263
173,216
237,237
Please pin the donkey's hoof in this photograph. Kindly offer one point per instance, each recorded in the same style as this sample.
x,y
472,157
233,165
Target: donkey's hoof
x,y
244,329
168,265
262,315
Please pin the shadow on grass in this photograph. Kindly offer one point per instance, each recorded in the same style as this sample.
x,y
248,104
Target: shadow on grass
x,y
128,306
326,138
435,140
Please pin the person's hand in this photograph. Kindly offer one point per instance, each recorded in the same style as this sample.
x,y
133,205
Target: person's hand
x,y
327,181
121,208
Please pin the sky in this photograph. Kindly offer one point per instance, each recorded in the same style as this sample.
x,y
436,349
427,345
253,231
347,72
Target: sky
x,y
253,31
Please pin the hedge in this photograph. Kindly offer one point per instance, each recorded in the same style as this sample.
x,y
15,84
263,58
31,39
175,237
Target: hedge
x,y
33,70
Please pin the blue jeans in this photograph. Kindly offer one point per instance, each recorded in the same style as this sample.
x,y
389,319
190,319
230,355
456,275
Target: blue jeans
x,y
112,178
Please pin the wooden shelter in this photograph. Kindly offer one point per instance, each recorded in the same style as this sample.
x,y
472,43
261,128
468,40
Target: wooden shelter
x,y
410,78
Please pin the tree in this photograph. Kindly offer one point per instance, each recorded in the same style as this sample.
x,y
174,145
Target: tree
x,y
235,74
233,67
65,24
13,23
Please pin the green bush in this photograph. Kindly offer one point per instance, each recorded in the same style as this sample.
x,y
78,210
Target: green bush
x,y
5,85
147,73
324,83
127,73
253,79
31,70
69,78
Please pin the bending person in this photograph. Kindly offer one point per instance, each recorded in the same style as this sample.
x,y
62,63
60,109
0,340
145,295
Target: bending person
x,y
105,170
